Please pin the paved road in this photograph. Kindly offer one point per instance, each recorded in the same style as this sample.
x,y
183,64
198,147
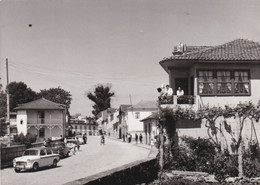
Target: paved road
x,y
92,159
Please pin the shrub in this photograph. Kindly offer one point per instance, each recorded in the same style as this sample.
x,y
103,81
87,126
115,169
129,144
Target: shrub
x,y
26,140
251,165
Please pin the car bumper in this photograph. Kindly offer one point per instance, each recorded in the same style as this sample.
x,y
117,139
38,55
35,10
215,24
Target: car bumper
x,y
23,166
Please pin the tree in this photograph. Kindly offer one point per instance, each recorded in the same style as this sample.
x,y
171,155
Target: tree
x,y
20,93
2,102
57,95
101,97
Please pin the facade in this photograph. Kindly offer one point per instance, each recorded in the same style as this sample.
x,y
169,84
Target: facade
x,y
134,114
83,125
42,117
150,128
108,122
216,75
122,120
227,74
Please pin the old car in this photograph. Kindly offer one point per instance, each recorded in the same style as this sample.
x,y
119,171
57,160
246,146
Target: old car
x,y
60,148
35,158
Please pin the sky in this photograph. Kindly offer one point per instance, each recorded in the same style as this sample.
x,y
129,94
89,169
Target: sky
x,y
77,44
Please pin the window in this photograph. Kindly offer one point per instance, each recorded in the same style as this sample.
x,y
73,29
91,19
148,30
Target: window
x,y
111,117
137,115
206,82
223,82
42,152
41,132
241,82
48,151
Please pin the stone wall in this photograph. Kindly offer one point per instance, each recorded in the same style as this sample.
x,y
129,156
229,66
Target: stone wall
x,y
143,171
9,153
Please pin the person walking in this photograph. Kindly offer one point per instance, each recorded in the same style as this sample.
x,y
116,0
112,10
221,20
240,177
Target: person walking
x,y
102,139
141,138
77,143
136,138
85,138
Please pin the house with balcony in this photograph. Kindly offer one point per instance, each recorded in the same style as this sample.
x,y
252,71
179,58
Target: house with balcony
x,y
42,117
226,74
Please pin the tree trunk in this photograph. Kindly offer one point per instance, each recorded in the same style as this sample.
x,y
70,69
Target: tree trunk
x,y
240,162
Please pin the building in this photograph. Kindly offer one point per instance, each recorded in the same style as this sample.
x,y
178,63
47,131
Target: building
x,y
227,74
150,127
84,125
42,117
122,120
216,75
134,114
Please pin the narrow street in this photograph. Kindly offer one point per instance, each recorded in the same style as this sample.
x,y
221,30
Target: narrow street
x,y
92,158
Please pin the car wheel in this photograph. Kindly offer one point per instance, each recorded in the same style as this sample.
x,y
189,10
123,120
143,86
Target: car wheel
x,y
35,166
54,164
67,155
17,170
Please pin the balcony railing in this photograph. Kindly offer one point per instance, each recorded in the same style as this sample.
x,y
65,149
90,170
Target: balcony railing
x,y
44,121
178,100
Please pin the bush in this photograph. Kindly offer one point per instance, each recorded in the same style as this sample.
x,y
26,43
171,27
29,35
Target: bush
x,y
26,140
200,155
251,165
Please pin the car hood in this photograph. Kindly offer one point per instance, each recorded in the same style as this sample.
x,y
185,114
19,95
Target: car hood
x,y
25,158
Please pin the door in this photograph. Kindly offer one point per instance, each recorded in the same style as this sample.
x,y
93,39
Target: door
x,y
183,83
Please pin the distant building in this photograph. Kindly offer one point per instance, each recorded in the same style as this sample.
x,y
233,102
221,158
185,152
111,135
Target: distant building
x,y
150,127
84,125
42,117
134,114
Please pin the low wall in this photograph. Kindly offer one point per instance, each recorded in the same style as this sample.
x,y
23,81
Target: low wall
x,y
134,173
9,153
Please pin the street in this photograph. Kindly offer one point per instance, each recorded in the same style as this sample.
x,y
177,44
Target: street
x,y
91,159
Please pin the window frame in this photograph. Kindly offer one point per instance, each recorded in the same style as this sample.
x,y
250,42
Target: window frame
x,y
232,80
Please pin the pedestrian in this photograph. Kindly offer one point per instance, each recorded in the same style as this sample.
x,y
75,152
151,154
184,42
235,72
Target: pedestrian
x,y
123,137
130,138
152,143
85,138
102,139
44,142
136,138
77,143
141,138
74,147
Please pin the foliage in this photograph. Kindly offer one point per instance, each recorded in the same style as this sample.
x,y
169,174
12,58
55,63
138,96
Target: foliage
x,y
251,165
26,140
20,93
2,102
57,95
200,155
101,98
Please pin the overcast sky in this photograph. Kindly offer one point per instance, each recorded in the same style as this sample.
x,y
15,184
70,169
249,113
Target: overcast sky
x,y
76,44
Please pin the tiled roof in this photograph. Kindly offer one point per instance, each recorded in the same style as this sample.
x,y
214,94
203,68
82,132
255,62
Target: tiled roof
x,y
154,115
40,104
142,105
237,50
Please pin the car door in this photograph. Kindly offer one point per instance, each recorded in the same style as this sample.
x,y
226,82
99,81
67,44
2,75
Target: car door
x,y
43,157
49,157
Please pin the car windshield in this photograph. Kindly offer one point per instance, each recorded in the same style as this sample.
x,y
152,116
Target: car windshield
x,y
31,152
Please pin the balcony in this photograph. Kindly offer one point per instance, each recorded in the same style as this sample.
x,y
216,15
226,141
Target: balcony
x,y
185,101
42,121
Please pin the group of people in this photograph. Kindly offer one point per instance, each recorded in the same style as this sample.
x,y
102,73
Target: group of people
x,y
166,93
140,138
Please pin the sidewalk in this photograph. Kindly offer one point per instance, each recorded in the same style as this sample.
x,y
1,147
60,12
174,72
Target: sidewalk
x,y
153,150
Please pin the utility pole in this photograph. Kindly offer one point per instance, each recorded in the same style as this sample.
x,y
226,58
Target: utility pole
x,y
8,106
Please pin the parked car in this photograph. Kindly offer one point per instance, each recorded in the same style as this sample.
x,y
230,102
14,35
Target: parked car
x,y
60,148
35,158
73,139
